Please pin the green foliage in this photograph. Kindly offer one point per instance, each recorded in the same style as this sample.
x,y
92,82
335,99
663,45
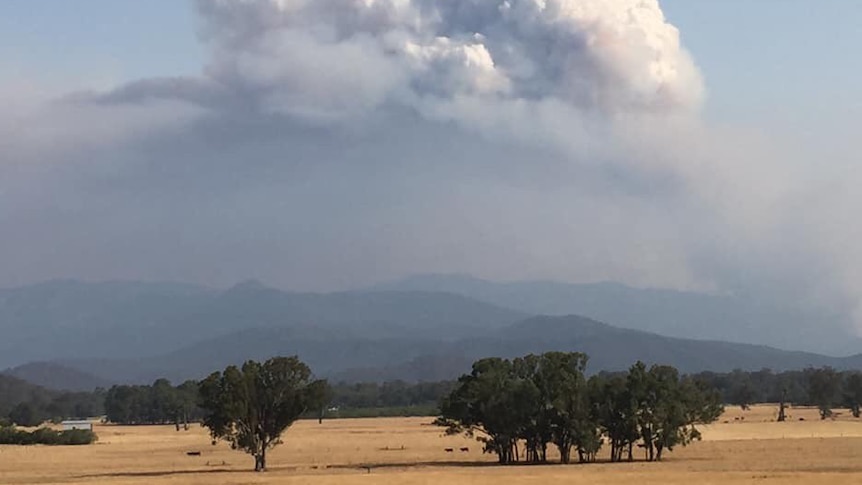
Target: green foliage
x,y
545,399
391,394
252,406
160,403
824,385
853,393
668,408
32,405
27,414
615,410
9,435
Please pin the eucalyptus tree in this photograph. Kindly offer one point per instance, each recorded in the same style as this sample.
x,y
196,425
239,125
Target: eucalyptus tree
x,y
251,407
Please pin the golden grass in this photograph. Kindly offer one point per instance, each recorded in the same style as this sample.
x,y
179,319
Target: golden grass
x,y
754,449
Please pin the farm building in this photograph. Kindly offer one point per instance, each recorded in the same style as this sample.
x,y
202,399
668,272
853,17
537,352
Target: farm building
x,y
69,425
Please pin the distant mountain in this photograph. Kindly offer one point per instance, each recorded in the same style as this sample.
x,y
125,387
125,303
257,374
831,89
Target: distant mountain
x,y
69,320
666,312
66,318
351,358
14,391
52,375
81,335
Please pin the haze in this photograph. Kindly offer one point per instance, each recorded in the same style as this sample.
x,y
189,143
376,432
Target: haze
x,y
334,144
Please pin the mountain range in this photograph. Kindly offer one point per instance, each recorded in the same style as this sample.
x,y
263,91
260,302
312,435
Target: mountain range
x,y
703,316
74,335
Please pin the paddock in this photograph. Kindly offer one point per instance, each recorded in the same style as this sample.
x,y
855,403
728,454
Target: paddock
x,y
411,451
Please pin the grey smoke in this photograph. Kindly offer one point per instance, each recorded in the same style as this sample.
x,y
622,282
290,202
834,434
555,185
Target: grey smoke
x,y
330,144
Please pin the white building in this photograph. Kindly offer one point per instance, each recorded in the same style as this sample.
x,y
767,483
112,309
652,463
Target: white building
x,y
68,425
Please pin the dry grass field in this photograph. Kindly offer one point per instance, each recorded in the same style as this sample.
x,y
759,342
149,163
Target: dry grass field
x,y
409,451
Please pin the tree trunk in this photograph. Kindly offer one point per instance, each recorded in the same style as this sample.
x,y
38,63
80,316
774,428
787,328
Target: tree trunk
x,y
781,414
565,454
260,460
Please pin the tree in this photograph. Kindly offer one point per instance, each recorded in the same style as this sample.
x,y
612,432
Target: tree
x,y
823,387
164,403
742,391
26,414
252,406
614,409
537,400
668,408
187,395
565,407
853,393
488,404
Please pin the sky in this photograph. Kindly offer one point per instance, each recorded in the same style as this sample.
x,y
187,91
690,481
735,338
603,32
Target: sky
x,y
696,145
771,60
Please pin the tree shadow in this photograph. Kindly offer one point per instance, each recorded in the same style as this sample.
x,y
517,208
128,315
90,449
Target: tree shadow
x,y
159,473
444,464
360,467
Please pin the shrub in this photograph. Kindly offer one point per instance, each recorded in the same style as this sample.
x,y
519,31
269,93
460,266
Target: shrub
x,y
77,437
9,435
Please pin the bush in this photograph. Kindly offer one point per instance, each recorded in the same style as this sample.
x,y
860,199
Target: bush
x,y
26,414
77,437
10,435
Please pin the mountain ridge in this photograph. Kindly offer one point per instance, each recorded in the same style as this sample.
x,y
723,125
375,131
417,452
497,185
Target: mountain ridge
x,y
668,312
415,359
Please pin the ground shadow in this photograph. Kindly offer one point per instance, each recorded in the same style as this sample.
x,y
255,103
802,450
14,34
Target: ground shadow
x,y
362,467
416,464
160,473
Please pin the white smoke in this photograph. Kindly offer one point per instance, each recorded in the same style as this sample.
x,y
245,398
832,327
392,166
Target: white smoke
x,y
334,58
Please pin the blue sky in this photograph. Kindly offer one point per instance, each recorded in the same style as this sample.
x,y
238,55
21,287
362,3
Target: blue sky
x,y
775,59
99,39
764,60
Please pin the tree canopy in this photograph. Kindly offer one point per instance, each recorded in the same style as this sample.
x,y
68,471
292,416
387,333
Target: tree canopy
x,y
251,406
542,400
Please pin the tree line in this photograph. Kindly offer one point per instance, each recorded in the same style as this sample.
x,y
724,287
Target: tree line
x,y
824,387
535,402
159,403
28,405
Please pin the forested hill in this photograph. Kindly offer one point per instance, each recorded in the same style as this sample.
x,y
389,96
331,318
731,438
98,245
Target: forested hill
x,y
117,320
52,375
350,358
18,397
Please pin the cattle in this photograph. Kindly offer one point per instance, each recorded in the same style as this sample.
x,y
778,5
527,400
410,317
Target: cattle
x,y
448,450
465,449
193,453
